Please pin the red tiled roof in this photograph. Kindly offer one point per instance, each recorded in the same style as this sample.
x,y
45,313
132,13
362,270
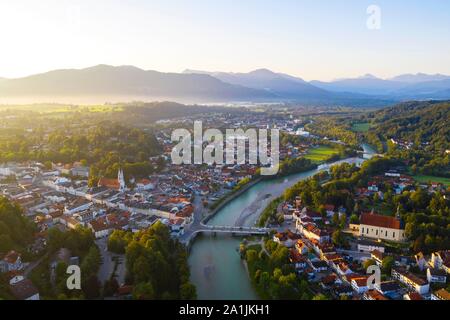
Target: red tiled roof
x,y
296,257
109,183
361,282
98,225
11,257
377,254
24,289
414,296
376,295
125,290
380,221
329,279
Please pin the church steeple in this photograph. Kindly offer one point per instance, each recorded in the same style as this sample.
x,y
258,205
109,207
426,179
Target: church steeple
x,y
121,179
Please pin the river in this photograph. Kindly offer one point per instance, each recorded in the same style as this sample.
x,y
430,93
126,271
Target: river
x,y
216,268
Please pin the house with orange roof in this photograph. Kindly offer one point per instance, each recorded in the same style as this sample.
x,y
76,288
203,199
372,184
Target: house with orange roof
x,y
360,284
374,295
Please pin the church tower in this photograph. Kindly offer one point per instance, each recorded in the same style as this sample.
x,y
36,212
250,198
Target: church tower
x,y
121,180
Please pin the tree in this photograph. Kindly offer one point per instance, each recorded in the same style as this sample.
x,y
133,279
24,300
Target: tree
x,y
91,287
91,263
155,261
338,238
110,287
335,219
320,296
354,219
376,197
252,256
368,263
188,291
387,264
343,221
323,211
143,291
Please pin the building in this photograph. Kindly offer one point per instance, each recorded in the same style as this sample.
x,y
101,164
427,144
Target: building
x,y
441,260
388,288
23,289
116,184
440,295
412,296
77,205
369,246
144,185
11,262
374,295
436,276
298,260
343,290
318,266
377,256
360,285
420,261
381,227
80,171
312,232
100,228
410,280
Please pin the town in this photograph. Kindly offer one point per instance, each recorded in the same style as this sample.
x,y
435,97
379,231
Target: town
x,y
330,242
333,250
59,195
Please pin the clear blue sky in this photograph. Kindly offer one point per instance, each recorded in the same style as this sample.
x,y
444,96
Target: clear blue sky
x,y
313,39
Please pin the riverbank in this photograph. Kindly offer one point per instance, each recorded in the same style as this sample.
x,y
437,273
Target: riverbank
x,y
234,194
230,197
216,266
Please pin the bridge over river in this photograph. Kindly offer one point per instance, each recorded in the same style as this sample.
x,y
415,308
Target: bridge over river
x,y
196,229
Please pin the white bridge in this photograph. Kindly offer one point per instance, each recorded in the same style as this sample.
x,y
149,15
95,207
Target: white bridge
x,y
233,229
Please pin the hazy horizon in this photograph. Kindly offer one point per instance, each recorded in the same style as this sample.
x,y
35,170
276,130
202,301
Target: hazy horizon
x,y
189,70
314,41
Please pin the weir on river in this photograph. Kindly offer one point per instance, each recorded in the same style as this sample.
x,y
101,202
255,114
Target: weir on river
x,y
216,268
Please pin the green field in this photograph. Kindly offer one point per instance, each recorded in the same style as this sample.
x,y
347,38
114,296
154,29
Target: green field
x,y
361,127
426,179
321,153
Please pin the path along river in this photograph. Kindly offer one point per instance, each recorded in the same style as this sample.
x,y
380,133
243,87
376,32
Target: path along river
x,y
216,268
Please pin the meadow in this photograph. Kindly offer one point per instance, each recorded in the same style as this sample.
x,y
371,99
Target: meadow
x,y
361,127
426,179
321,153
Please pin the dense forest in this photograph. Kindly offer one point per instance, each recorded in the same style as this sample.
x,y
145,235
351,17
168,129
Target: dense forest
x,y
80,243
16,231
156,264
417,122
425,125
104,146
271,273
333,127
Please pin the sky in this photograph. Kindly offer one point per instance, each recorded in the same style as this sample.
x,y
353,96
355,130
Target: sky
x,y
312,39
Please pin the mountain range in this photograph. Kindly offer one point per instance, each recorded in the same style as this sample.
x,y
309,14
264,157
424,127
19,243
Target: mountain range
x,y
407,86
124,83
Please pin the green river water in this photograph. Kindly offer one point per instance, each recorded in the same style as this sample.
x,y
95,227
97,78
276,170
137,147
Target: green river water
x,y
216,268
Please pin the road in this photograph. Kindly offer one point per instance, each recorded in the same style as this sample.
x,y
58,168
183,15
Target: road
x,y
33,265
107,266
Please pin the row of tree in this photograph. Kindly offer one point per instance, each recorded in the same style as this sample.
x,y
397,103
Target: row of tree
x,y
156,264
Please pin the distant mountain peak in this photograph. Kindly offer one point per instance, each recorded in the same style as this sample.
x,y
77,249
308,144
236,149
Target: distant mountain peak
x,y
419,77
192,71
368,76
263,71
